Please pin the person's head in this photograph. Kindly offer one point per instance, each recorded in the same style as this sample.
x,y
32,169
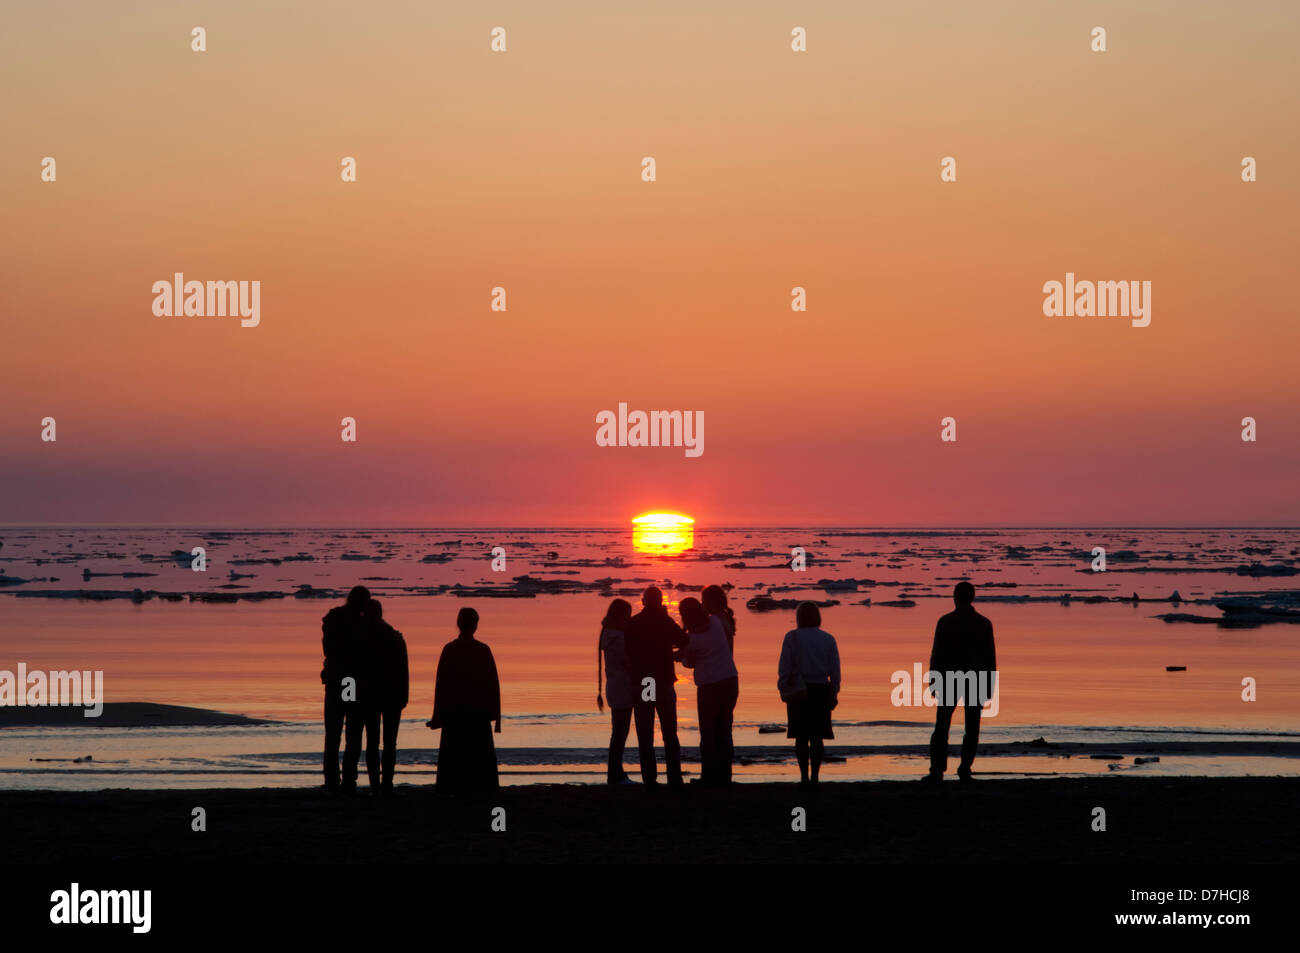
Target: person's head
x,y
808,616
620,610
964,594
715,600
652,598
358,598
694,618
374,610
467,621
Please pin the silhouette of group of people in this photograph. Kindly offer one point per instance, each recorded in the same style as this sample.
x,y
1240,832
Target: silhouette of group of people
x,y
639,653
367,683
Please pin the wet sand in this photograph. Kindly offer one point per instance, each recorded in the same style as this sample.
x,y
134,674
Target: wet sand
x,y
1190,820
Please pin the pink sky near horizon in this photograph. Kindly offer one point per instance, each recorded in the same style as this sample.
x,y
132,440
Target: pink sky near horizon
x,y
775,169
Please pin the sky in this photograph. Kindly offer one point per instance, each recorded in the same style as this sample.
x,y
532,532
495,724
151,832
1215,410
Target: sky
x,y
775,169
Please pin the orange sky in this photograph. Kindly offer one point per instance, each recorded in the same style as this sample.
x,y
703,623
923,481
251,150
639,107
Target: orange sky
x,y
775,169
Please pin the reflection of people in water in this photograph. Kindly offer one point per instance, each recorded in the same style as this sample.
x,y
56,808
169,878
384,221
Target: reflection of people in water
x,y
466,701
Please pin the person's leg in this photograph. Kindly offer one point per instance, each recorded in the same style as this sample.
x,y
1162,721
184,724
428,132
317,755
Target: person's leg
x,y
333,734
726,714
621,730
817,750
970,740
939,740
620,721
392,721
704,714
801,755
353,726
644,713
667,708
450,774
372,717
486,759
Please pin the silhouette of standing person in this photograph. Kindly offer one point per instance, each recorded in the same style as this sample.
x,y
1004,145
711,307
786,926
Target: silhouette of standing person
x,y
363,711
618,685
964,659
653,641
717,687
390,691
466,701
340,637
808,678
715,604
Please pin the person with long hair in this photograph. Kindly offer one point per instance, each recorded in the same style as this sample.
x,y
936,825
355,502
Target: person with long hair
x,y
717,688
617,684
715,604
809,682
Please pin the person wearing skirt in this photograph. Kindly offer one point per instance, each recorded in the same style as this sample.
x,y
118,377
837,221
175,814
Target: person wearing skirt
x,y
809,682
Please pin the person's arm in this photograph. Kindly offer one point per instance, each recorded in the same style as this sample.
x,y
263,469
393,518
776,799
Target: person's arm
x,y
600,648
435,721
785,665
496,691
835,667
679,638
326,640
688,653
934,654
403,672
993,662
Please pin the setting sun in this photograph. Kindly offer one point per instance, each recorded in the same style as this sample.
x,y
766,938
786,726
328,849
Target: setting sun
x,y
665,534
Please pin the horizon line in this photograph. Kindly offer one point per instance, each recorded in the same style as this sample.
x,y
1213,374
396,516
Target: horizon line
x,y
611,527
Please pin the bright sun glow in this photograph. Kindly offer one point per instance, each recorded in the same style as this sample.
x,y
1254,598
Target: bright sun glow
x,y
665,534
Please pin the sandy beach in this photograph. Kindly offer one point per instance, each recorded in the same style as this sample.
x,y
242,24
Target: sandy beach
x,y
1037,821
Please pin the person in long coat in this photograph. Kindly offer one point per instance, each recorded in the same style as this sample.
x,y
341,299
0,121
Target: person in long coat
x,y
466,703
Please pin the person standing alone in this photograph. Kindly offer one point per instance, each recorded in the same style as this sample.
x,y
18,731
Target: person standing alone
x,y
964,662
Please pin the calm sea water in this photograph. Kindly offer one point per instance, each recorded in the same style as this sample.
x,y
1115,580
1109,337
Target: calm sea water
x,y
1093,672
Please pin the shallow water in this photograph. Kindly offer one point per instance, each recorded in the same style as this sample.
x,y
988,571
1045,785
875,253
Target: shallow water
x,y
1068,672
